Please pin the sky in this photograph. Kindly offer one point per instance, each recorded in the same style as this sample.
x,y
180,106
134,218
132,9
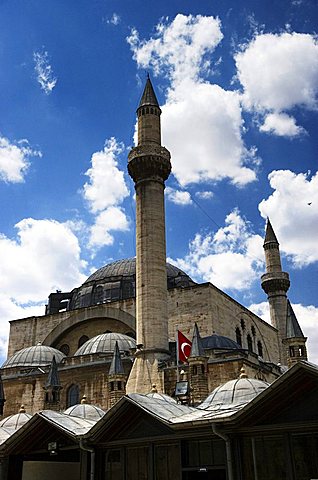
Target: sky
x,y
237,82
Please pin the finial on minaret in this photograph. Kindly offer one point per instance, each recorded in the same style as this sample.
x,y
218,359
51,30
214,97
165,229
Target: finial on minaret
x,y
116,366
197,349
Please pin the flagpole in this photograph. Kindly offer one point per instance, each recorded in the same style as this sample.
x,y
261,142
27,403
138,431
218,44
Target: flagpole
x,y
177,344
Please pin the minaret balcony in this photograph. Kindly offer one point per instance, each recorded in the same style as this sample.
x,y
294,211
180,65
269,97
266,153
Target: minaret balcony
x,y
275,282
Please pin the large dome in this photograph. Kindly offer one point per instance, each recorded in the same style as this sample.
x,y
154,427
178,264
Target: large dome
x,y
35,356
105,343
117,281
219,342
234,394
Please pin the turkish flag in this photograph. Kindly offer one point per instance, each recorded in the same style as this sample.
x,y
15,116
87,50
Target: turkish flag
x,y
184,346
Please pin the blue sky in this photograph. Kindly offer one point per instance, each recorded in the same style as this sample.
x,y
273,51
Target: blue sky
x,y
238,85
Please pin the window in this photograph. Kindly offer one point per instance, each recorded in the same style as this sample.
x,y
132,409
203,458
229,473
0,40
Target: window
x,y
253,331
73,395
292,351
238,336
82,340
249,343
260,348
242,324
65,349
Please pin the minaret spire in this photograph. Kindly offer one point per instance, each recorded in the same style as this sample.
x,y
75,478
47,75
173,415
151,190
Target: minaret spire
x,y
149,166
275,283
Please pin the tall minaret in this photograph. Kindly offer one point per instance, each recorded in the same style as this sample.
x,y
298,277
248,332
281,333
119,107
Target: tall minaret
x,y
149,166
276,283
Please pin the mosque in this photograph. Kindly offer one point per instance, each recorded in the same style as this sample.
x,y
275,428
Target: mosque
x,y
93,390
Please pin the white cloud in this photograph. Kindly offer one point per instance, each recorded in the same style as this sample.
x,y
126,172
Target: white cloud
x,y
202,124
179,197
307,316
279,72
43,257
281,124
202,128
114,19
113,218
106,186
44,72
178,48
292,209
104,192
205,195
230,259
14,159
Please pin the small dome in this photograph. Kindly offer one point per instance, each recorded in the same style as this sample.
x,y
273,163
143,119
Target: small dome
x,y
84,410
14,422
218,342
36,356
234,394
105,343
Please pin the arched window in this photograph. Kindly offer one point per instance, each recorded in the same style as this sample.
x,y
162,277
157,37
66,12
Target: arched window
x,y
82,340
238,336
242,324
65,349
260,348
73,395
253,331
249,343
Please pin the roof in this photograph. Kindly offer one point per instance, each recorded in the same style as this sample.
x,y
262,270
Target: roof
x,y
35,356
219,342
293,329
197,349
105,343
53,379
270,234
86,411
116,366
148,97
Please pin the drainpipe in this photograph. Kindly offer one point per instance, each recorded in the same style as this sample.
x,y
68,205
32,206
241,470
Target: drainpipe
x,y
92,452
227,440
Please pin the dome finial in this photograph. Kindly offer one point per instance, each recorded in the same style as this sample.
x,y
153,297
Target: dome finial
x,y
243,373
22,409
84,400
154,388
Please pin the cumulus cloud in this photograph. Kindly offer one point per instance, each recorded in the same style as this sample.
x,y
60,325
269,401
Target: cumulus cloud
x,y
179,197
104,193
106,184
279,72
307,316
204,195
111,219
230,259
281,124
29,271
14,159
206,140
292,209
44,71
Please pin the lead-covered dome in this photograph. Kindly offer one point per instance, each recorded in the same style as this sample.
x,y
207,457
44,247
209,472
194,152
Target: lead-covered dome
x,y
116,281
85,410
35,356
234,394
14,422
105,343
219,342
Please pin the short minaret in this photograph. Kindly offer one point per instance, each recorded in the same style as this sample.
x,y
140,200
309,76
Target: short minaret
x,y
116,378
275,283
198,369
295,341
149,166
2,398
52,388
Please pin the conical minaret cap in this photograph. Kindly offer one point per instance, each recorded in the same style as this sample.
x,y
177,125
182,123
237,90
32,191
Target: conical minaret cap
x,y
270,236
116,366
53,379
197,349
293,329
149,96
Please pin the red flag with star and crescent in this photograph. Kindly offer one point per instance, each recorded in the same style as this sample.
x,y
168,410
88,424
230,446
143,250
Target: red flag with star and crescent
x,y
184,346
